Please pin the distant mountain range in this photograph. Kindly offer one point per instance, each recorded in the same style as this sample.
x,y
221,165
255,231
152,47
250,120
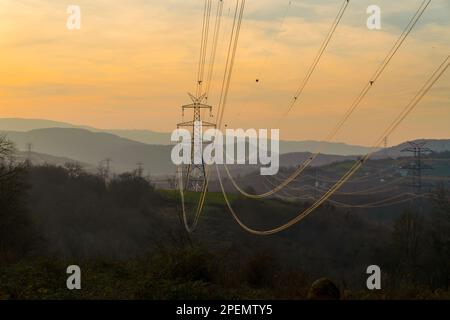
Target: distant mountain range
x,y
65,143
42,159
92,147
23,125
60,145
435,145
159,138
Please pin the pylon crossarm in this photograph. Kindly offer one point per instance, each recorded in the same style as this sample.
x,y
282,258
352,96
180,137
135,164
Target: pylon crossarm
x,y
186,124
195,106
192,123
208,124
197,100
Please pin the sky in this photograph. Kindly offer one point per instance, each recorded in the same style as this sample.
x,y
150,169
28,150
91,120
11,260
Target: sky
x,y
132,63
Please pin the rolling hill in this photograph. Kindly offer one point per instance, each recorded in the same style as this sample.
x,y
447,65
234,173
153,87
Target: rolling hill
x,y
89,148
161,138
435,145
37,158
92,147
23,125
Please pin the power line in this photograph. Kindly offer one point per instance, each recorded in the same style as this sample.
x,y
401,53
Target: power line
x,y
232,48
387,202
348,113
370,191
354,169
391,128
280,28
203,46
195,176
230,61
201,169
214,48
316,61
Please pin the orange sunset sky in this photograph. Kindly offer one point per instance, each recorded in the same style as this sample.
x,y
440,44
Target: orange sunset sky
x,y
133,62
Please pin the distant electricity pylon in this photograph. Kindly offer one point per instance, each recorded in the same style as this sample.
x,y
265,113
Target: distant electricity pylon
x,y
108,167
386,147
316,183
29,152
104,169
195,173
140,169
418,149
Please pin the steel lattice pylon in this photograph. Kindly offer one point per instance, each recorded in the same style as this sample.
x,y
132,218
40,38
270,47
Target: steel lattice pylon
x,y
418,149
195,174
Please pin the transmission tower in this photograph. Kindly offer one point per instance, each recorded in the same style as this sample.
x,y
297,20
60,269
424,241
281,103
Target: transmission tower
x,y
195,172
104,169
316,183
29,152
108,167
140,169
416,168
386,148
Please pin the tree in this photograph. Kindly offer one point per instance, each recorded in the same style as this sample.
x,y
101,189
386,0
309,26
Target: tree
x,y
440,236
6,148
74,169
132,191
15,227
408,234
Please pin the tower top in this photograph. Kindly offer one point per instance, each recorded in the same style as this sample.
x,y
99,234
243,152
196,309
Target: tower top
x,y
197,100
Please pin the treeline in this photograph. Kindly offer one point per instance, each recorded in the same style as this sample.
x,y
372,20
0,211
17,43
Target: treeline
x,y
17,232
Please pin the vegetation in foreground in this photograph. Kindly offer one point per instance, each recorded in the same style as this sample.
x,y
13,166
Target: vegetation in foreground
x,y
128,239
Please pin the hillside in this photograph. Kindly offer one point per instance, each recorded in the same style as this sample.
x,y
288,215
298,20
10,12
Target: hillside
x,y
38,159
92,147
376,181
161,138
23,125
435,145
131,245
